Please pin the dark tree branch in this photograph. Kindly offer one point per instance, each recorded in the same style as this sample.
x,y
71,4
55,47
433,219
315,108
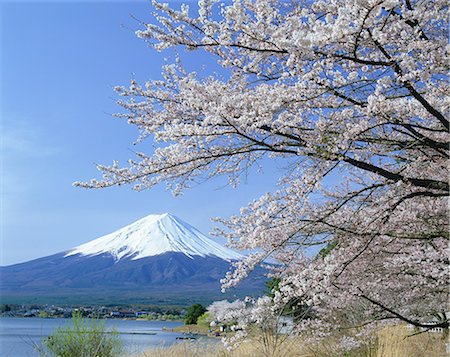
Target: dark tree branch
x,y
444,324
426,183
429,108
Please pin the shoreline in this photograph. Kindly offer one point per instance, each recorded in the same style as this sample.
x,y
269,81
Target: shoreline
x,y
96,318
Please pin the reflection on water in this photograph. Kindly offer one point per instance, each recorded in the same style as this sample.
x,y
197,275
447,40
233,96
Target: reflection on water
x,y
18,336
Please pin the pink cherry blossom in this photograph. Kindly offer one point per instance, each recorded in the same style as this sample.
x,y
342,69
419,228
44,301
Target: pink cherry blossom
x,y
353,96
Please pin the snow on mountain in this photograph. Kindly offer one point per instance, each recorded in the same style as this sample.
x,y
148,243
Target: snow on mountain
x,y
154,235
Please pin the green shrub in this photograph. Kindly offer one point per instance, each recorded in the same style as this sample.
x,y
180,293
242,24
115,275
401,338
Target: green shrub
x,y
204,320
82,338
193,313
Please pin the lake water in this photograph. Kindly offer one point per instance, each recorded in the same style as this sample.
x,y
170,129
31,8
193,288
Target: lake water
x,y
19,335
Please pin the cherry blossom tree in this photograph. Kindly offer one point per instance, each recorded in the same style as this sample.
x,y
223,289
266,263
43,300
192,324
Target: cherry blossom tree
x,y
352,96
251,316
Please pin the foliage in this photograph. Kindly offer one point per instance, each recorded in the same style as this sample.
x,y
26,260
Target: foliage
x,y
83,338
352,97
5,308
294,307
272,286
327,249
204,320
43,314
161,317
193,312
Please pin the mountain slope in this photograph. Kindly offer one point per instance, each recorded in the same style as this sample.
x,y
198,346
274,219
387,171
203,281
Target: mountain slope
x,y
159,257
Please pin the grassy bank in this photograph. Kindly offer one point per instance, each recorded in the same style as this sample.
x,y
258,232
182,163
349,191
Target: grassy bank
x,y
195,329
389,342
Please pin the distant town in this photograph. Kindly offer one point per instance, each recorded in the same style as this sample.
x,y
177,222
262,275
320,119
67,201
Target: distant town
x,y
102,312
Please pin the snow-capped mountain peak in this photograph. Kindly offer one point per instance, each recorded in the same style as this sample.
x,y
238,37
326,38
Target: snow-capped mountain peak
x,y
154,235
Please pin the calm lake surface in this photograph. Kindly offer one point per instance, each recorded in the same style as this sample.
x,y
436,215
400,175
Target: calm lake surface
x,y
18,335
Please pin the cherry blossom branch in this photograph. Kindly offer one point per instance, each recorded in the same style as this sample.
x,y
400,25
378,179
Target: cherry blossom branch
x,y
444,324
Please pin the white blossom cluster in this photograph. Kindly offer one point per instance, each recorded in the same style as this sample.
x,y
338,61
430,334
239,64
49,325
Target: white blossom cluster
x,y
351,92
241,315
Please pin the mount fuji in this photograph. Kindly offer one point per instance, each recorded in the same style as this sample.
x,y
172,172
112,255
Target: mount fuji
x,y
158,259
154,235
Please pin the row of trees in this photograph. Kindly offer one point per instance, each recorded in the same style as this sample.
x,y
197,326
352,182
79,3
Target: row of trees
x,y
352,96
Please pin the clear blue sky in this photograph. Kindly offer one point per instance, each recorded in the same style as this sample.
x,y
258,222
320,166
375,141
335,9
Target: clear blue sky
x,y
59,63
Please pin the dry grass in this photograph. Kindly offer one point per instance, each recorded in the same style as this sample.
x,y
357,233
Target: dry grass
x,y
290,348
202,330
396,341
185,349
390,342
